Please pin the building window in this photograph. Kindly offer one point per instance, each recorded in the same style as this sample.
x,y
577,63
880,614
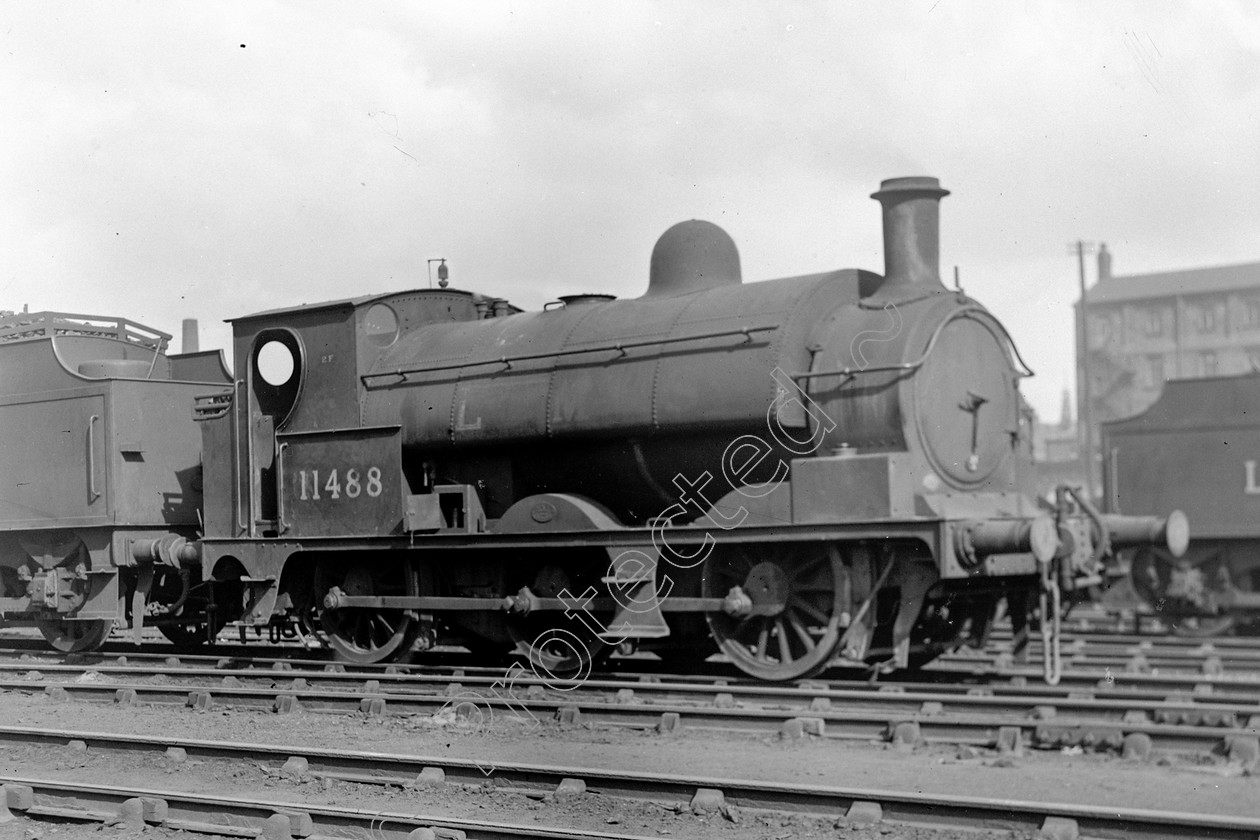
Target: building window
x,y
1152,322
1100,331
1249,314
1207,363
1253,359
1204,318
1155,371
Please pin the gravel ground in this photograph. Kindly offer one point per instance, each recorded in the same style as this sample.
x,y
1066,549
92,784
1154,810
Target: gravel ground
x,y
1164,784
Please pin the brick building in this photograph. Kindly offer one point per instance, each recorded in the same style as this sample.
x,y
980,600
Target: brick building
x,y
1145,328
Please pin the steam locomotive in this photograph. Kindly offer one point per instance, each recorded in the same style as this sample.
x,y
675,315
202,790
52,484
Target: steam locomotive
x,y
1196,447
827,466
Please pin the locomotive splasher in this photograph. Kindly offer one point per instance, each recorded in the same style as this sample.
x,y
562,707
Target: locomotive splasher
x,y
832,464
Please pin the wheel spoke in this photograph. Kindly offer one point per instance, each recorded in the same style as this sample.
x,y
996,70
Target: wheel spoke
x,y
801,632
785,652
762,639
794,573
810,610
362,627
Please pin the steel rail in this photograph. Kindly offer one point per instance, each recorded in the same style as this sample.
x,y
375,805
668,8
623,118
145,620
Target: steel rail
x,y
247,816
954,675
929,723
193,811
1241,657
957,674
1213,663
1146,641
806,697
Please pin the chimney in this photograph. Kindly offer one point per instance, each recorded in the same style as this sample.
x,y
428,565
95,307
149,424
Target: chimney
x,y
1104,263
911,236
189,342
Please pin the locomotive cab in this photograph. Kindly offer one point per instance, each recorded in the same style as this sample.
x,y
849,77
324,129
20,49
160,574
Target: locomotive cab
x,y
297,397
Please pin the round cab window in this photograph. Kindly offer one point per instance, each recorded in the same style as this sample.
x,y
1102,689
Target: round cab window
x,y
380,325
275,363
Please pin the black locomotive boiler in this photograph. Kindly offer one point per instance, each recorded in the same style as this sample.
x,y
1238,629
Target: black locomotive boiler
x,y
831,465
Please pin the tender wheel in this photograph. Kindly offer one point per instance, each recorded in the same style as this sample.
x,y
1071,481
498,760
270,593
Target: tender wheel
x,y
1199,627
1187,592
185,636
791,628
74,636
365,635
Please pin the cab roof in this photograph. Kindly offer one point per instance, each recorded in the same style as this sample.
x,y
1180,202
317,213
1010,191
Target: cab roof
x,y
349,303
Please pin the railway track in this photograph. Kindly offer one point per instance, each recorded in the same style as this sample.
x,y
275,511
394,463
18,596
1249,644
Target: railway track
x,y
1217,709
1197,670
1083,651
1001,634
1138,657
135,809
978,717
981,700
283,818
957,674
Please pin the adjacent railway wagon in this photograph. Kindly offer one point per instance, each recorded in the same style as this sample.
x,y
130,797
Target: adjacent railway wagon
x,y
1196,449
795,470
101,467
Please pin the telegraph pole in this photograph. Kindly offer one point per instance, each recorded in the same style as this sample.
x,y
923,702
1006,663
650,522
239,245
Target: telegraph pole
x,y
1084,411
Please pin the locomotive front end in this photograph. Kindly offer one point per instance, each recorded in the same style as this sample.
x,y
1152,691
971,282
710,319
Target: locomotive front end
x,y
920,388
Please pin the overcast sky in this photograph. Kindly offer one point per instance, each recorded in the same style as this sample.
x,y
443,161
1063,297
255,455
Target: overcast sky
x,y
166,160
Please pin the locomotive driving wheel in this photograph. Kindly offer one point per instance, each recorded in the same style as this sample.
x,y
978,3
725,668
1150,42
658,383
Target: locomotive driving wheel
x,y
554,644
784,604
366,635
74,636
